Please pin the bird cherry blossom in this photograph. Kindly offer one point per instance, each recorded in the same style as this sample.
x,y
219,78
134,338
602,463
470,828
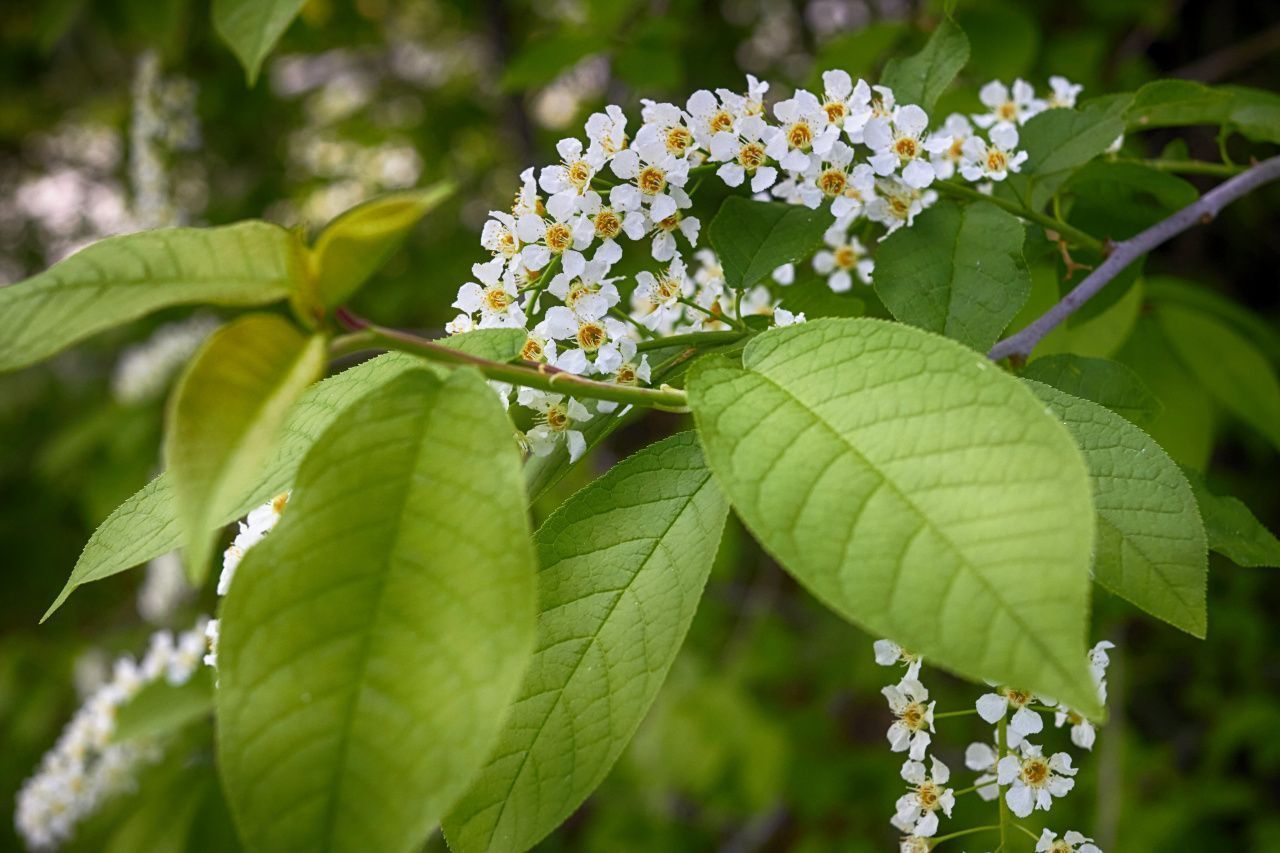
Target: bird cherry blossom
x,y
844,257
1034,780
916,812
902,142
558,416
910,732
1070,842
1006,106
994,160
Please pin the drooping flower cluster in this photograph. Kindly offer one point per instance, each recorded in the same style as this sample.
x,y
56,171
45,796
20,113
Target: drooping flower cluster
x,y
88,766
850,149
1011,765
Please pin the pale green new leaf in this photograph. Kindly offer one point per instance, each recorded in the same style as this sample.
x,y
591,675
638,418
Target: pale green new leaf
x,y
1108,383
753,238
122,278
1151,548
1233,530
1228,365
921,78
370,644
356,244
223,418
146,525
914,488
623,563
957,271
251,28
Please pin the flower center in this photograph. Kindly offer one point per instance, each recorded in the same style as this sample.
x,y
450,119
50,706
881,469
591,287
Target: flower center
x,y
1008,111
558,417
626,375
577,290
667,288
278,502
956,151
1035,772
751,157
906,148
591,336
914,716
651,180
996,161
507,244
579,173
721,121
800,135
670,223
899,206
608,225
832,182
497,299
679,139
846,257
1017,698
1060,846
559,237
928,794
532,349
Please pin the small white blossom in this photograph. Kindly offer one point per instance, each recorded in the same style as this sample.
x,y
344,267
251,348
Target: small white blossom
x,y
847,105
565,233
909,702
889,653
803,130
782,317
1034,780
983,757
960,130
1071,842
992,160
650,171
743,152
901,142
1005,106
572,176
256,525
493,297
1064,93
750,104
992,707
658,297
557,415
916,812
896,204
607,131
844,256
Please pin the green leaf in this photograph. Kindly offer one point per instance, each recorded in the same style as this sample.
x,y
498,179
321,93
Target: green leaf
x,y
958,271
623,564
1176,103
753,238
1255,113
921,78
1151,547
146,525
223,418
1233,530
370,644
122,278
1107,383
1060,141
811,295
1229,366
1195,294
915,489
251,28
162,708
356,244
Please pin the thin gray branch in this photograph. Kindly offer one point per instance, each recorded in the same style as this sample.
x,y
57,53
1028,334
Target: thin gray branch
x,y
1126,252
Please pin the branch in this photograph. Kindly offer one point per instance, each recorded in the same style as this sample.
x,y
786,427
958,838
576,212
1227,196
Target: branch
x,y
1126,252
1049,223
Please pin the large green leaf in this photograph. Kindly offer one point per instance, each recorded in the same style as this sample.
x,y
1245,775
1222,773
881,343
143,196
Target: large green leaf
x,y
1228,365
370,644
251,28
1175,103
958,271
223,418
120,279
356,244
1060,141
623,564
1151,547
916,489
146,525
1233,530
1108,383
921,78
753,238
1255,112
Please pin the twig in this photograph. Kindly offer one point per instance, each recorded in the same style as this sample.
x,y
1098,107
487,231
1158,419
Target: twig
x,y
1127,251
1049,223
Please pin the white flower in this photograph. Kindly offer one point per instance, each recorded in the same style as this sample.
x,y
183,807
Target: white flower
x,y
913,844
566,233
1083,733
707,117
803,129
557,415
1071,842
846,104
995,160
782,317
607,131
650,170
591,337
844,256
664,241
945,163
889,653
743,153
992,707
784,275
459,325
982,757
1009,107
257,524
1064,93
901,142
608,223
750,104
667,125
589,294
897,204
572,176
629,372
527,199
1034,780
494,297
917,812
880,104
1099,660
658,297
499,235
909,701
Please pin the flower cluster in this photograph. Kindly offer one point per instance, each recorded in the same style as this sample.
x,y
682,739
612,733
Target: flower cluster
x,y
1011,765
88,766
850,149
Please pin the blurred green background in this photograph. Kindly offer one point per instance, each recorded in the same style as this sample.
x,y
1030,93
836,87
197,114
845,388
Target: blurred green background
x,y
770,733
